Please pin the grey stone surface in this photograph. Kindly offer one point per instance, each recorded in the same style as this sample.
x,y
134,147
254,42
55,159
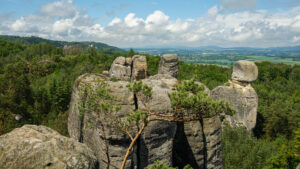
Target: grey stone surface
x,y
139,67
96,130
298,166
243,99
189,145
213,137
168,65
34,147
156,142
244,71
128,61
120,69
198,143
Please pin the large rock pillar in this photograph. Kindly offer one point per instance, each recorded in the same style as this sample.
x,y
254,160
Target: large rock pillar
x,y
240,95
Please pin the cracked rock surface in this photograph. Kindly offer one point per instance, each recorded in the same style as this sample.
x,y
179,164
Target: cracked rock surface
x,y
34,147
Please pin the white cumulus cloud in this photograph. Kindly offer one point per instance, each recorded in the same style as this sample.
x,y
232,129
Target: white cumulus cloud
x,y
64,9
257,28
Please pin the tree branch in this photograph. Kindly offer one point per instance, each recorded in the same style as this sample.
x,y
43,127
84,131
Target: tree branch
x,y
131,145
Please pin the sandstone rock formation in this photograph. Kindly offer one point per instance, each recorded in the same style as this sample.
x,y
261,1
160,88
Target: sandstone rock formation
x,y
165,141
91,129
244,71
134,68
139,67
168,65
157,140
120,69
198,143
240,95
33,147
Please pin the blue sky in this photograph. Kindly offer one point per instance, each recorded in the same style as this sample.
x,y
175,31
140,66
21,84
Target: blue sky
x,y
141,23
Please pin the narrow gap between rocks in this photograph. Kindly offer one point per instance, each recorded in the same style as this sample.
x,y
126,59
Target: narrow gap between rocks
x,y
138,144
204,144
82,119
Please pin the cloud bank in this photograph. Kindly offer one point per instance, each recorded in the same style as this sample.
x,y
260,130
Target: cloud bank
x,y
63,20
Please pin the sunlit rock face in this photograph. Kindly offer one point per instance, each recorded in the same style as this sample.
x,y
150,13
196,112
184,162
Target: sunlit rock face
x,y
134,68
139,67
41,147
168,65
120,69
240,95
244,71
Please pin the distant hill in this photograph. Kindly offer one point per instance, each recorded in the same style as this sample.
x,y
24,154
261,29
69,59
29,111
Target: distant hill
x,y
35,40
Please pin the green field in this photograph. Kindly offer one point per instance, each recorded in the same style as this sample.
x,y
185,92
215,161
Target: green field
x,y
275,60
228,60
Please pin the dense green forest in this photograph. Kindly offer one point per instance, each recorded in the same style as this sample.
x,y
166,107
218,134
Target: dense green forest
x,y
36,82
81,45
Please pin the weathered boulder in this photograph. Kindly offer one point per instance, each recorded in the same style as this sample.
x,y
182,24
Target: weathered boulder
x,y
41,147
244,71
243,99
168,65
120,69
94,130
156,142
105,73
139,67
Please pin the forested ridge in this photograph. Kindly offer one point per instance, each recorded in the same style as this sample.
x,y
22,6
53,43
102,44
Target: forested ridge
x,y
36,82
63,44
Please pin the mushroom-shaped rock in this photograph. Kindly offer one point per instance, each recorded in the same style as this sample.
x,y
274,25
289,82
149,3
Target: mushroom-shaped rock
x,y
41,147
120,69
168,65
139,67
244,71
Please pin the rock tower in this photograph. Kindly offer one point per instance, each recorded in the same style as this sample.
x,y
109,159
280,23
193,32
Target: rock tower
x,y
240,94
197,143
